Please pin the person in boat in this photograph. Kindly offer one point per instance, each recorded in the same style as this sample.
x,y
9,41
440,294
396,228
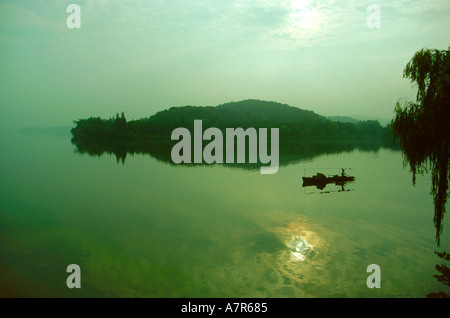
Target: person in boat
x,y
343,172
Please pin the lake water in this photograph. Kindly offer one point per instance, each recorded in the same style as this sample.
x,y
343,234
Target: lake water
x,y
146,228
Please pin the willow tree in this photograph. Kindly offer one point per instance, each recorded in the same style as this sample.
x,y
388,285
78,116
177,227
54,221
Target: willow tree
x,y
422,126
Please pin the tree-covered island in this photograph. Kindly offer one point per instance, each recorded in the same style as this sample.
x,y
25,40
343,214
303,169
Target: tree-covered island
x,y
293,123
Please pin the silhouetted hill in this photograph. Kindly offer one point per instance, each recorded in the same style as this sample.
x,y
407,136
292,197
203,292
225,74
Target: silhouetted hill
x,y
263,111
236,114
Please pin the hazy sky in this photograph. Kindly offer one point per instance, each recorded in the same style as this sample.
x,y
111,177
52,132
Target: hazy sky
x,y
144,56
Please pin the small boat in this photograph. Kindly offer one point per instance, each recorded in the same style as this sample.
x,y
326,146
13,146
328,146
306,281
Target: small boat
x,y
321,179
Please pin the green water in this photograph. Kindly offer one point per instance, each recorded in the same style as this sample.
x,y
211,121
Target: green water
x,y
150,229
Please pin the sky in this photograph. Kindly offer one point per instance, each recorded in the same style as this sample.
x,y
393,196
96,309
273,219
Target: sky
x,y
141,57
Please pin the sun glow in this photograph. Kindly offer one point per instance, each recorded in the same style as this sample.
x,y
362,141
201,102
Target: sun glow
x,y
303,15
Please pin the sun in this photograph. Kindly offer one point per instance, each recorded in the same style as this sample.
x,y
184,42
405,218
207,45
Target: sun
x,y
302,14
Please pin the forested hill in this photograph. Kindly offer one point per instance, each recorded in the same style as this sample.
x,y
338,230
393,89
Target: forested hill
x,y
293,122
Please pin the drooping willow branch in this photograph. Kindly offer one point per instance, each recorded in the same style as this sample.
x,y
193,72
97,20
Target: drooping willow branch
x,y
422,127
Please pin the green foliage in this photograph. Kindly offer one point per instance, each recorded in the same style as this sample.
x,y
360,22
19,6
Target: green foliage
x,y
294,123
423,126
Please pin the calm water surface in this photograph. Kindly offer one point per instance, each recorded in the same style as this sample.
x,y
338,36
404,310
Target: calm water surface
x,y
149,229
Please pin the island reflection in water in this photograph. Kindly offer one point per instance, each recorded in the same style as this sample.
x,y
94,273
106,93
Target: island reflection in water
x,y
290,152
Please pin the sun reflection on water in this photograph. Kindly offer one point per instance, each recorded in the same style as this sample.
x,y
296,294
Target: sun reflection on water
x,y
302,244
300,248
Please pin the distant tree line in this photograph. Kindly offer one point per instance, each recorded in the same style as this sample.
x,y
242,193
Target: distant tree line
x,y
294,123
